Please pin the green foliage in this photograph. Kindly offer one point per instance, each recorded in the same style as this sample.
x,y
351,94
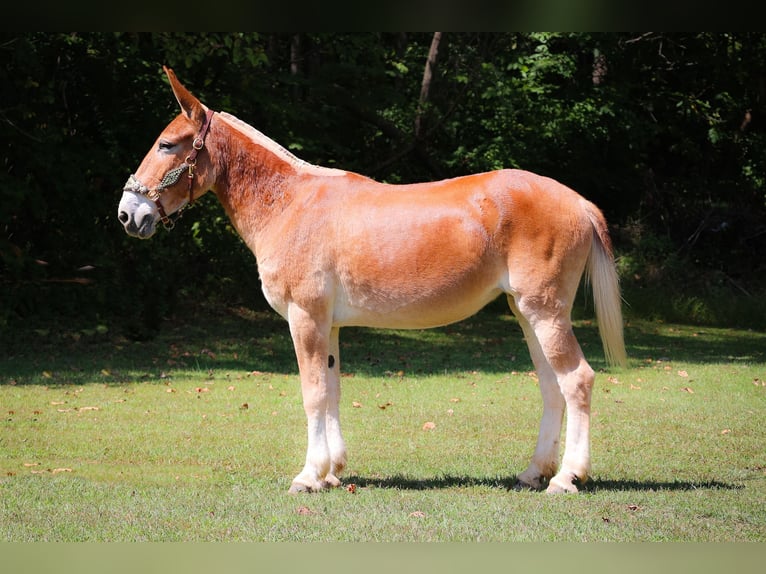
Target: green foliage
x,y
665,129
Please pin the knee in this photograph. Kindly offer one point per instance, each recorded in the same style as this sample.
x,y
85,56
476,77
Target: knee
x,y
577,385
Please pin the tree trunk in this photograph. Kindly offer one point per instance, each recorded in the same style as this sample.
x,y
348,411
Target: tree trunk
x,y
425,86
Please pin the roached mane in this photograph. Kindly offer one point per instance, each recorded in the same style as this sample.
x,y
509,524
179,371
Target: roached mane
x,y
265,141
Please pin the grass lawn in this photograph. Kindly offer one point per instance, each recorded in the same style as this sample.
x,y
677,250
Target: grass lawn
x,y
197,434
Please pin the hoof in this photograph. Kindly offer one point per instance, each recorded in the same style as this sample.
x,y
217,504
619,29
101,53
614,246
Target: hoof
x,y
556,489
522,486
298,488
331,481
302,488
560,485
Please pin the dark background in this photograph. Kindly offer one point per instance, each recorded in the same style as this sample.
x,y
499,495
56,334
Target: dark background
x,y
664,131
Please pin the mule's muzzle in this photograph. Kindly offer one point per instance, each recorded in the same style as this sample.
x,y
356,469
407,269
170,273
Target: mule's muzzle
x,y
144,228
137,215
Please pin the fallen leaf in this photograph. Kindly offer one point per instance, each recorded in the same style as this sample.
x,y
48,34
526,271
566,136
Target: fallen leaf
x,y
429,425
28,464
356,405
230,388
202,389
417,514
244,406
88,408
688,390
47,374
634,507
385,406
725,431
305,511
170,390
683,374
58,470
455,400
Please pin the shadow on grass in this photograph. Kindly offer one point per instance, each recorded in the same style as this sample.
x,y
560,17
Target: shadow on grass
x,y
238,339
400,482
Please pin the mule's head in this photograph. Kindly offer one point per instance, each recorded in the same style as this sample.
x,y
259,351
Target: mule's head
x,y
175,171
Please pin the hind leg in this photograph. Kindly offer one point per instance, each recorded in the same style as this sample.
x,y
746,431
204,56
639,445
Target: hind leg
x,y
545,460
566,381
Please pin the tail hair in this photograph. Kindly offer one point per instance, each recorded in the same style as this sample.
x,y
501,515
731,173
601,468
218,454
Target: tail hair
x,y
605,283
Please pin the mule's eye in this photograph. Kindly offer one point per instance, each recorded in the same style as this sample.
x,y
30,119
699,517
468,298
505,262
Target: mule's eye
x,y
166,145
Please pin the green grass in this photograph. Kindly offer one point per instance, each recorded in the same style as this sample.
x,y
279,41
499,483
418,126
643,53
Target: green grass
x,y
196,435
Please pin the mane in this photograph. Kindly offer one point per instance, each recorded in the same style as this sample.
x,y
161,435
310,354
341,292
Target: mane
x,y
259,138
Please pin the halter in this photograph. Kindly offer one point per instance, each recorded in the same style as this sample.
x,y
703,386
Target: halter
x,y
172,177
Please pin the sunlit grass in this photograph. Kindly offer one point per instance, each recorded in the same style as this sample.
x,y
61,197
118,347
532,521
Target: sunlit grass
x,y
197,434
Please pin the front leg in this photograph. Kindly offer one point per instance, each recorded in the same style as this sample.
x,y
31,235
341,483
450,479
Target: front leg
x,y
332,420
312,334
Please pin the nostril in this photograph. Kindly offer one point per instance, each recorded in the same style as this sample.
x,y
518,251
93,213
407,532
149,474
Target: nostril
x,y
123,216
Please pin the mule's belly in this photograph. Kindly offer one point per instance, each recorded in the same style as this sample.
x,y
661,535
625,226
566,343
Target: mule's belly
x,y
412,316
413,306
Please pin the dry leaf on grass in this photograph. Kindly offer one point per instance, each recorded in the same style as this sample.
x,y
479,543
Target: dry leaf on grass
x,y
429,425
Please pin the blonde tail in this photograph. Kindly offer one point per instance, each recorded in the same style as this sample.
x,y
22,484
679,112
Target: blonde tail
x,y
606,290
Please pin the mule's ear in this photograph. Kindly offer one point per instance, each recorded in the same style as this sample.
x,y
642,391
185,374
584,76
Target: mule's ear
x,y
190,105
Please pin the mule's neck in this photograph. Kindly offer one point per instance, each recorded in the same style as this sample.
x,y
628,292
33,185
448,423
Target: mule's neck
x,y
256,177
255,181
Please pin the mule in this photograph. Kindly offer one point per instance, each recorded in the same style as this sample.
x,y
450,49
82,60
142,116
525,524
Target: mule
x,y
334,248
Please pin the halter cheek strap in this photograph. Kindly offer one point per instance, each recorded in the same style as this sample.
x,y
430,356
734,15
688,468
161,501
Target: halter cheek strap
x,y
172,177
